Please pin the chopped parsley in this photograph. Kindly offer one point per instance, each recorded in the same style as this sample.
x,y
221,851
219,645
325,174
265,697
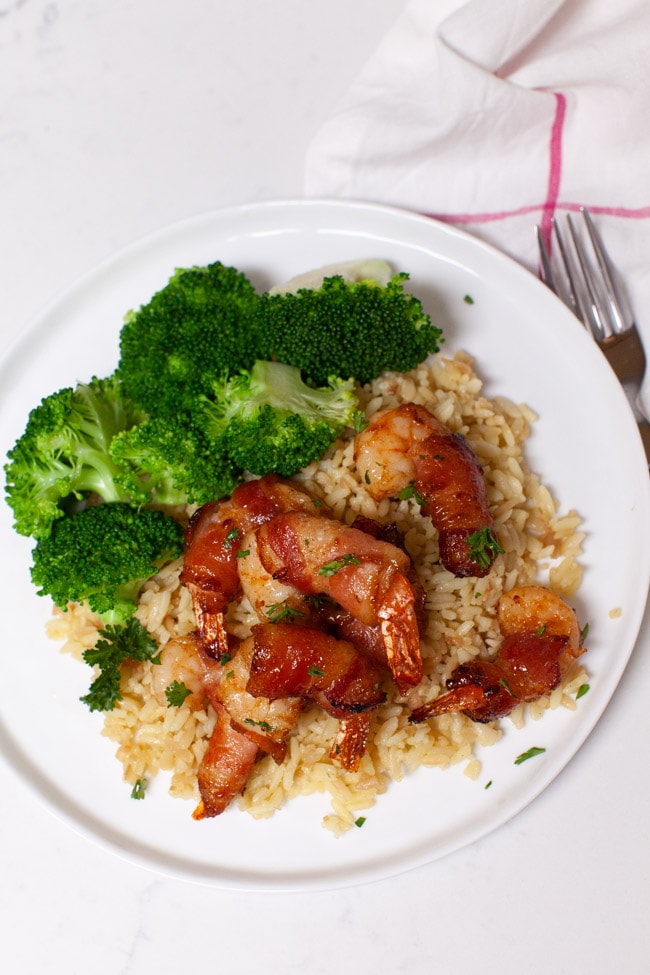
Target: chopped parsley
x,y
315,601
488,784
282,611
225,658
314,671
541,631
263,725
232,536
360,821
410,492
584,632
468,300
176,693
243,553
582,690
483,546
331,568
139,788
531,753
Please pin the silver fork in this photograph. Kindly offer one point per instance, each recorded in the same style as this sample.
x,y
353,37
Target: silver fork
x,y
584,278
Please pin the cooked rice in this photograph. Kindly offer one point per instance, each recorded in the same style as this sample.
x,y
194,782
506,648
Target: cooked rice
x,y
460,617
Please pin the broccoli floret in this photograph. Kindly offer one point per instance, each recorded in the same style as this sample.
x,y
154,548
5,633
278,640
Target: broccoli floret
x,y
127,641
103,555
201,325
270,420
357,329
173,459
64,453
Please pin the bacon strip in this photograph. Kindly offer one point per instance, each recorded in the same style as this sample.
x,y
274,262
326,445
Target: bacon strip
x,y
296,661
225,767
450,479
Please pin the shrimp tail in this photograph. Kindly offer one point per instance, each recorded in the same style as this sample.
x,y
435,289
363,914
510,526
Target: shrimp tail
x,y
210,627
465,698
351,741
400,631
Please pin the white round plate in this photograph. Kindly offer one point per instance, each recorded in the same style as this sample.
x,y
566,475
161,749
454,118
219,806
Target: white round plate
x,y
585,446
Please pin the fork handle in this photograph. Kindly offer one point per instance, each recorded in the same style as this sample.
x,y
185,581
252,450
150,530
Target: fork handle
x,y
644,430
624,352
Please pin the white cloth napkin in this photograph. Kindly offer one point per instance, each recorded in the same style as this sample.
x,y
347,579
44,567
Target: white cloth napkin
x,y
495,115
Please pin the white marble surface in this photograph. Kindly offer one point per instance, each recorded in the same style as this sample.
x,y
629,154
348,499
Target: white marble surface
x,y
115,120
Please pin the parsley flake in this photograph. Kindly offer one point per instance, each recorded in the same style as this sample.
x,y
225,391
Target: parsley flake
x,y
314,671
483,546
315,601
582,690
139,788
282,611
360,821
263,725
410,492
232,536
331,568
531,753
176,694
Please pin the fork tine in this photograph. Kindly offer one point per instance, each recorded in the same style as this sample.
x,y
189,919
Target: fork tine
x,y
587,296
618,318
572,292
587,282
546,270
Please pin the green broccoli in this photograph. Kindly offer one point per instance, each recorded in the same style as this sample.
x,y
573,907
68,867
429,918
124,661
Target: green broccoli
x,y
358,329
126,641
173,458
200,326
103,555
269,420
63,453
